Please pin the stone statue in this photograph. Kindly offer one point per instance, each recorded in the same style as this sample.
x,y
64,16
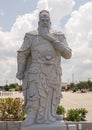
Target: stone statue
x,y
39,60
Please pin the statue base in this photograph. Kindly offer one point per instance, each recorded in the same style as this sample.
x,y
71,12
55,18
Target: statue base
x,y
59,125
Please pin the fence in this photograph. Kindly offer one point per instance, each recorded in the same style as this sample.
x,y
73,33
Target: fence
x,y
11,94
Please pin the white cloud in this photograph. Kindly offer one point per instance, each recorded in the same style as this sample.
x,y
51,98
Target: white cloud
x,y
11,41
88,61
42,4
60,8
89,38
8,48
24,23
79,34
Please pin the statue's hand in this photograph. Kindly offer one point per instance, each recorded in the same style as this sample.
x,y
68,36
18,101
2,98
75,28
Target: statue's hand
x,y
20,76
49,38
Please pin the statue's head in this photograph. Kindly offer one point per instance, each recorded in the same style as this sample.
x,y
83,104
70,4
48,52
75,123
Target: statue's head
x,y
44,19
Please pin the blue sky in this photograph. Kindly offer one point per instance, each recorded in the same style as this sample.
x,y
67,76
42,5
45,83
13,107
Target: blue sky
x,y
12,8
73,17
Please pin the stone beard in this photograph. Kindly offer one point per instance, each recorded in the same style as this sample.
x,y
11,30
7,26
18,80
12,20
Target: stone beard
x,y
39,60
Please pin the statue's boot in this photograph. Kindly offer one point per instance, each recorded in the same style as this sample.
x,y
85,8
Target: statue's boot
x,y
31,113
30,120
46,121
52,119
59,117
56,116
56,102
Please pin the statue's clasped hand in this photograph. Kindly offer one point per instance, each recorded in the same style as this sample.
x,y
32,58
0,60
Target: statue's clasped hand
x,y
49,38
20,76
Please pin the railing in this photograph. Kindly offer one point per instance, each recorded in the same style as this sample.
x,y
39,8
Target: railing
x,y
11,94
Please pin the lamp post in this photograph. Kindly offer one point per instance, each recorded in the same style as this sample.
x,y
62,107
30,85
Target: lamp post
x,y
72,77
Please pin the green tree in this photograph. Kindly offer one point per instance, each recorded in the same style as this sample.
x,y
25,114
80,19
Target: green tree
x,y
12,85
73,87
82,85
90,85
6,87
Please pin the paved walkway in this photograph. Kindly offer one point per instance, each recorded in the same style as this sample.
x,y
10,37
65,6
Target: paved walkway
x,y
78,100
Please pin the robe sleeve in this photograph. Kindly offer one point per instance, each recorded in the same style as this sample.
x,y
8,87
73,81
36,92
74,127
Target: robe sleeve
x,y
23,53
61,45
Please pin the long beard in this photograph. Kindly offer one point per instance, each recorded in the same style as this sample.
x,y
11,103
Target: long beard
x,y
43,30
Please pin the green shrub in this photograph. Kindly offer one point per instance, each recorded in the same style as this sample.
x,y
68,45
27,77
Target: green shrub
x,y
11,109
61,110
83,112
76,114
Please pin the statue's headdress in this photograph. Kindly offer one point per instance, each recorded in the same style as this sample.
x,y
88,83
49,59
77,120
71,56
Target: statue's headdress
x,y
44,13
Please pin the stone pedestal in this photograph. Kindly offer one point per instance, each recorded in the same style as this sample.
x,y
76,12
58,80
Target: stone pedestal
x,y
60,125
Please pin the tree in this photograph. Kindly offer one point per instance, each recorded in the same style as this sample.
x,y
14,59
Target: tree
x,y
13,85
82,86
90,85
73,87
6,87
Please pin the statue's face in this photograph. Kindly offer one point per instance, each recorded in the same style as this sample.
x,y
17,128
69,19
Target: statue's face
x,y
45,21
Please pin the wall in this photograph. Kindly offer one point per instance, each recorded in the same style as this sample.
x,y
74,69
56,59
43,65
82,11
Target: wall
x,y
16,125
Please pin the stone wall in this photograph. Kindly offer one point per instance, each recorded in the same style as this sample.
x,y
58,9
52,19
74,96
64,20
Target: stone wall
x,y
16,125
85,125
10,125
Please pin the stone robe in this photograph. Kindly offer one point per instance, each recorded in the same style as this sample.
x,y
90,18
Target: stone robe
x,y
40,62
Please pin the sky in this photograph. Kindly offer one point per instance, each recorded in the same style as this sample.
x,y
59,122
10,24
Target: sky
x,y
72,17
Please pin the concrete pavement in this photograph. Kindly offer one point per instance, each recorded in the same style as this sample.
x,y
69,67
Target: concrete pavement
x,y
78,100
